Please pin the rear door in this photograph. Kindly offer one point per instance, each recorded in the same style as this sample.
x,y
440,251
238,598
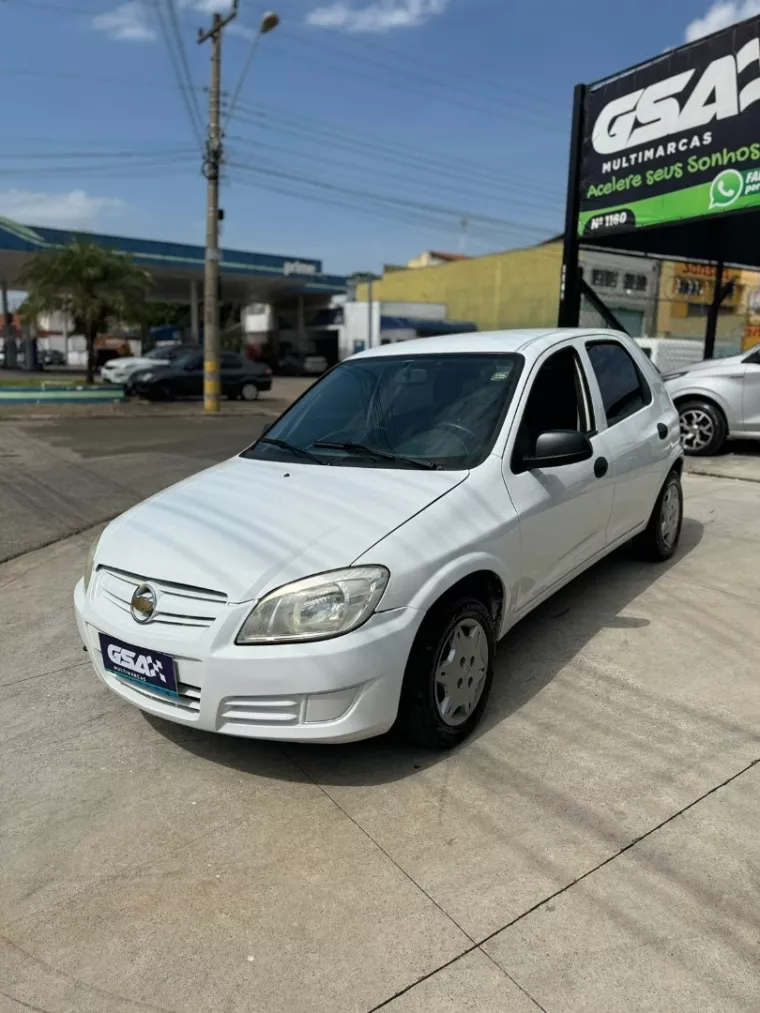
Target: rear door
x,y
640,427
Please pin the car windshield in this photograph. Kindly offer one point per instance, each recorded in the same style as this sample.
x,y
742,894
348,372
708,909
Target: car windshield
x,y
436,411
159,353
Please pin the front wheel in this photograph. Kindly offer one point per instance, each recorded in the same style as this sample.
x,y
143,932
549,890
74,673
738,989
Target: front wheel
x,y
448,676
703,428
660,539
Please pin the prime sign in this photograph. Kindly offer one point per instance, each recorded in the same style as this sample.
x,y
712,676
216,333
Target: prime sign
x,y
676,138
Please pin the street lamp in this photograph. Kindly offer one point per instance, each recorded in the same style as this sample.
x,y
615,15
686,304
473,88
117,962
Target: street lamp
x,y
269,22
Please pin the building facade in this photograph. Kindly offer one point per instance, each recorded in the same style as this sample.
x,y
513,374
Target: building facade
x,y
520,288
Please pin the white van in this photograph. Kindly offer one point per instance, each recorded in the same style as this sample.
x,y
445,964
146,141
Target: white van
x,y
671,354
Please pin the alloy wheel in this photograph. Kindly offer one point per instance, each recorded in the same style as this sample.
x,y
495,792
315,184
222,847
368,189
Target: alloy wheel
x,y
697,429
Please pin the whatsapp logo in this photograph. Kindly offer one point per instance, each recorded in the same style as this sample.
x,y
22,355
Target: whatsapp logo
x,y
726,188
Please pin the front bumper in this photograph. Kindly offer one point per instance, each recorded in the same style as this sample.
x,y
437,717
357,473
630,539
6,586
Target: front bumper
x,y
336,690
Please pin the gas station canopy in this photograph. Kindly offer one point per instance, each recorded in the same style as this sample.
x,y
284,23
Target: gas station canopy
x,y
177,268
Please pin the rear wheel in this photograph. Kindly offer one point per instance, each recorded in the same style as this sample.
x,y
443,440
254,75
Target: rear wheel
x,y
448,676
249,392
660,539
161,392
703,428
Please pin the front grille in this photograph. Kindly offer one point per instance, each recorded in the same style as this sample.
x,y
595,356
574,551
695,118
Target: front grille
x,y
178,605
261,710
189,699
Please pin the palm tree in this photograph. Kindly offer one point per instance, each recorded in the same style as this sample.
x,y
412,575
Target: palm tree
x,y
91,283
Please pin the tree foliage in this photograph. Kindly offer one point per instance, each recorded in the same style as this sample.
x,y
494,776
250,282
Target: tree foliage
x,y
92,283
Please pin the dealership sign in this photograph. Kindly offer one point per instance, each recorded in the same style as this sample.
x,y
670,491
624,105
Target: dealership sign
x,y
677,138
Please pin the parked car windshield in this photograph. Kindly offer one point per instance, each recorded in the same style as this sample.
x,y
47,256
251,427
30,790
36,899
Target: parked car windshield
x,y
159,353
439,411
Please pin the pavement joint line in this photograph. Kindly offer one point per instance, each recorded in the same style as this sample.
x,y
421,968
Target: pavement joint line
x,y
709,587
422,890
57,539
514,981
722,474
41,675
26,1005
621,851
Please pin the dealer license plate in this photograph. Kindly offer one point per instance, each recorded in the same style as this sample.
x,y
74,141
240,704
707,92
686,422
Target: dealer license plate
x,y
150,669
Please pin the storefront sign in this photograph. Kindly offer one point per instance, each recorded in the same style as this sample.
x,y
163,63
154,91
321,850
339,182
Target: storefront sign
x,y
677,138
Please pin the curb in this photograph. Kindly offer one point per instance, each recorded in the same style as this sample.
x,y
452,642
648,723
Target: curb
x,y
80,412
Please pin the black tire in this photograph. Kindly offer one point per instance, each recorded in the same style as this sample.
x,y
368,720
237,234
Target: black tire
x,y
654,543
703,428
419,719
161,392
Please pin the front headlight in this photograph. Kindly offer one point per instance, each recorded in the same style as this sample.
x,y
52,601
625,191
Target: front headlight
x,y
90,562
674,376
144,376
316,608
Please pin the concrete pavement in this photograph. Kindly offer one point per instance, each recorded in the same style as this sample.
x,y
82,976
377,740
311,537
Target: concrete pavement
x,y
578,855
62,476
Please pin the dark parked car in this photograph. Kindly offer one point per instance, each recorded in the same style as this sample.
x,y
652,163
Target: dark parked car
x,y
183,377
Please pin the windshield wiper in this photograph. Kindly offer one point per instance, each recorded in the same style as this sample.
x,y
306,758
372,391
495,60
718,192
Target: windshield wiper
x,y
284,445
382,455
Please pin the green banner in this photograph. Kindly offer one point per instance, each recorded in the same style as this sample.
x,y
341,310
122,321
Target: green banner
x,y
730,190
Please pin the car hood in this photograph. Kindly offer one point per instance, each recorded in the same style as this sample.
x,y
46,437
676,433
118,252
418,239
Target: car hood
x,y
130,362
708,364
246,526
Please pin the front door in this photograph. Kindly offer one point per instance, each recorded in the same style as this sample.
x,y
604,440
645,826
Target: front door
x,y
751,397
563,511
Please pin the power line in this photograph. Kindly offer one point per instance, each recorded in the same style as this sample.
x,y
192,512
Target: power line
x,y
190,91
427,183
384,199
318,131
185,85
497,110
505,103
407,219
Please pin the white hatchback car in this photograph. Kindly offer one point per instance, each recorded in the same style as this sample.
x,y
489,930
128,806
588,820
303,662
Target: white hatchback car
x,y
354,568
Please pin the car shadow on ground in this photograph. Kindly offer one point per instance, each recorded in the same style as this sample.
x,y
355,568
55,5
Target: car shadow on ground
x,y
527,660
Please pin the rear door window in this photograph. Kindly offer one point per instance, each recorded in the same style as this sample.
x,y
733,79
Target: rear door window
x,y
624,390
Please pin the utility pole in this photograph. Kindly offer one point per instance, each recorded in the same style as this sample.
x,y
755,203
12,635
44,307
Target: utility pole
x,y
212,170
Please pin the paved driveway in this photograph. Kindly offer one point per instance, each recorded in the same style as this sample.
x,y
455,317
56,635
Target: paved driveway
x,y
593,849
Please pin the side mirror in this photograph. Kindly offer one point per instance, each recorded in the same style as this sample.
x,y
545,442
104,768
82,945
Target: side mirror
x,y
559,447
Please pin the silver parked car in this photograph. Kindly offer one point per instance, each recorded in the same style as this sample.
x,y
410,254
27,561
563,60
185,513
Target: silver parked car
x,y
717,400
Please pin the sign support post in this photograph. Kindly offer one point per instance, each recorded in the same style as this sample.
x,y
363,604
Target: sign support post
x,y
570,285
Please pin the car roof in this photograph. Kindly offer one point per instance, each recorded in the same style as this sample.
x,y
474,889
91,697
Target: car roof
x,y
527,342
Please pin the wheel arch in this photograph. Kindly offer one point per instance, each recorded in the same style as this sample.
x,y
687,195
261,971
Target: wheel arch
x,y
485,585
711,399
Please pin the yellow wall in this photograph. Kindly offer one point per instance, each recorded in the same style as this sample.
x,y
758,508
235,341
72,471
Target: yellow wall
x,y
515,289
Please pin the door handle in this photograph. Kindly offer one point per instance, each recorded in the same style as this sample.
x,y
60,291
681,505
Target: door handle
x,y
662,430
601,467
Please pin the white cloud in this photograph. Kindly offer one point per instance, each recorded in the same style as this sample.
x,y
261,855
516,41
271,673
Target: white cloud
x,y
73,210
721,14
127,23
381,16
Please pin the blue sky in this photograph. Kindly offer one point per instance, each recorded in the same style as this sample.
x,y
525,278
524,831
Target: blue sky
x,y
365,132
